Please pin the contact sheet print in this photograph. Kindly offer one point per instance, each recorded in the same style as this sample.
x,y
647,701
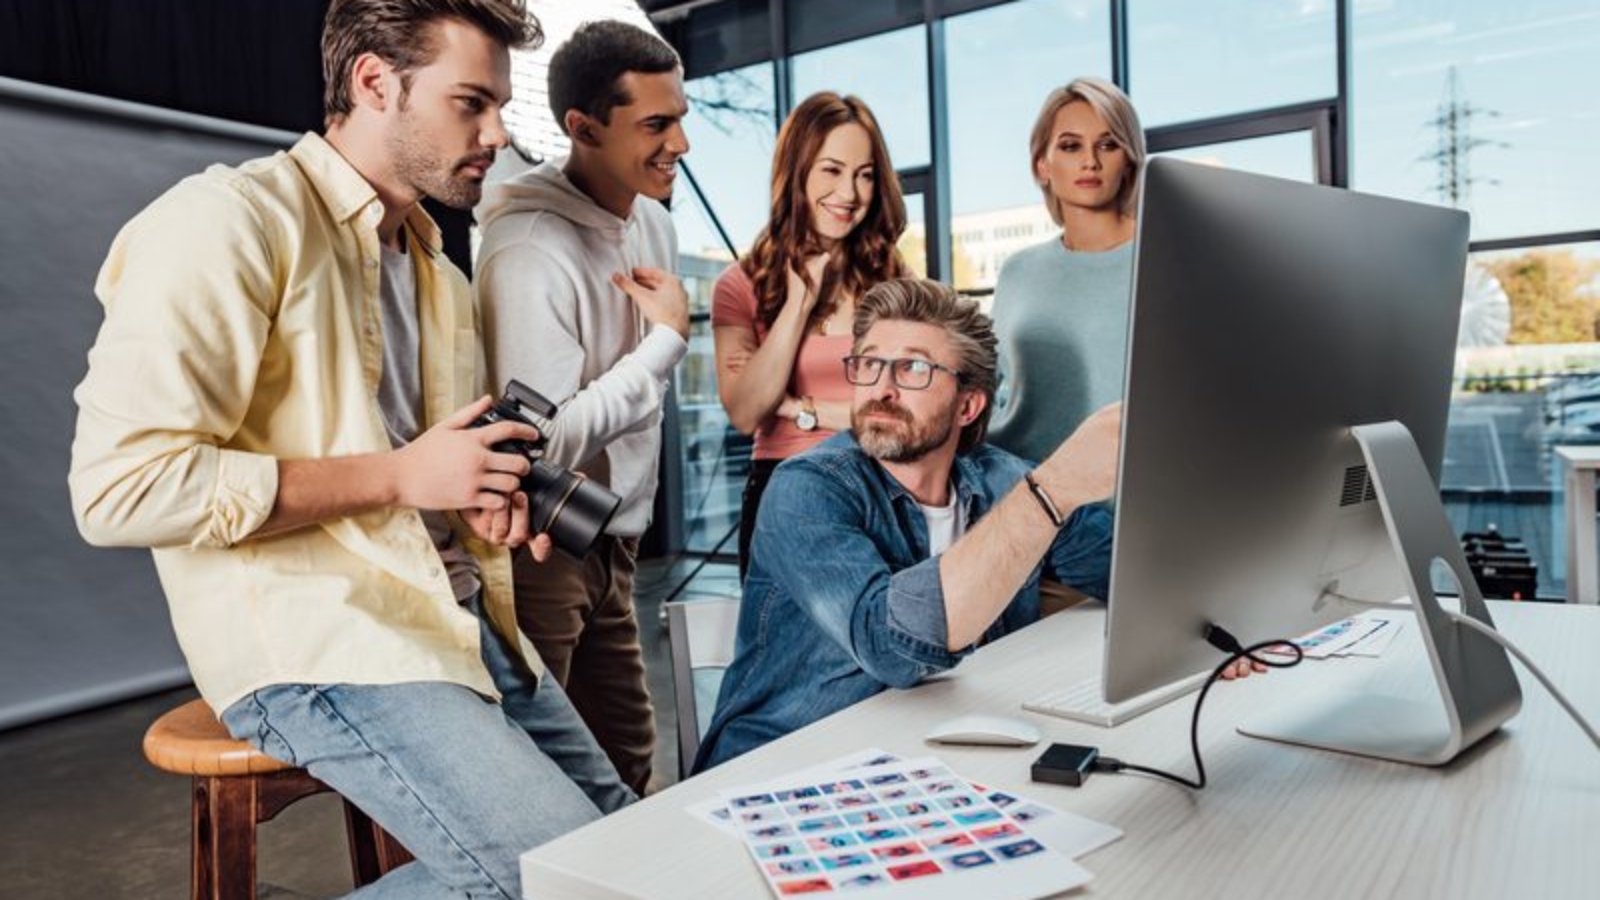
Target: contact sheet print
x,y
897,828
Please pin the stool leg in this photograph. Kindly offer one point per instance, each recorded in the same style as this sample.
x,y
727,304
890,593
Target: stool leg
x,y
391,853
373,851
202,835
362,831
224,839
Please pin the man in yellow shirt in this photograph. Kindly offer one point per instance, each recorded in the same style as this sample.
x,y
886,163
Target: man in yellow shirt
x,y
278,403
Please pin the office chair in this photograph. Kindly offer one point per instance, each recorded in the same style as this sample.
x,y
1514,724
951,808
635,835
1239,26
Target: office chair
x,y
702,634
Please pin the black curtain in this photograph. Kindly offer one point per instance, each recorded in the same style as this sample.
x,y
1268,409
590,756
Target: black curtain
x,y
254,61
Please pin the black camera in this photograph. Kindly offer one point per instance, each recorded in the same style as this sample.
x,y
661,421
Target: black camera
x,y
571,508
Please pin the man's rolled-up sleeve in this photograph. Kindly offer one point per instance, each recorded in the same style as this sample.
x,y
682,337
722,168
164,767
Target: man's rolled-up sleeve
x,y
1080,556
812,536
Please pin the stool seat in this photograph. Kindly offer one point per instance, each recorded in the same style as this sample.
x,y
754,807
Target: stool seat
x,y
235,788
190,741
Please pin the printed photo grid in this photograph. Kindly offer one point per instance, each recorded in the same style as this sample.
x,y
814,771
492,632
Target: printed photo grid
x,y
897,829
1067,833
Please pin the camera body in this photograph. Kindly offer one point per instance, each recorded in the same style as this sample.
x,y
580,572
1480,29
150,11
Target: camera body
x,y
570,508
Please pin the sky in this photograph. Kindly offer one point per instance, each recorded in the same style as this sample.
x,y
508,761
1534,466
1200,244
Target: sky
x,y
1531,70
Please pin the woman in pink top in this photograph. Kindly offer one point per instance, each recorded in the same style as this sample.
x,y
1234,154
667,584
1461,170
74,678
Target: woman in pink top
x,y
782,316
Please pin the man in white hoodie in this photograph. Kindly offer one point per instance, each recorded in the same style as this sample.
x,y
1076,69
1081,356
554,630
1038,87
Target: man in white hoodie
x,y
579,303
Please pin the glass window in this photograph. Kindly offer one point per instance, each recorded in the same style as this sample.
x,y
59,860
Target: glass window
x,y
716,457
1290,155
1190,61
890,72
914,242
732,128
1001,63
1484,106
1527,381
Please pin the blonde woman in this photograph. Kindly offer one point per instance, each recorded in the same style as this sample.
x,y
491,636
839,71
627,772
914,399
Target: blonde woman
x,y
1061,307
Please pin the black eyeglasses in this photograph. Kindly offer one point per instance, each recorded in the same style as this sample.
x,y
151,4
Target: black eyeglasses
x,y
908,373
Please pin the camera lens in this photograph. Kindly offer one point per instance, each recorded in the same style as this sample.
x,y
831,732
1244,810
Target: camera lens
x,y
571,508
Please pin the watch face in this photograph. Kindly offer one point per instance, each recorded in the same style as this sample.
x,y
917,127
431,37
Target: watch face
x,y
806,421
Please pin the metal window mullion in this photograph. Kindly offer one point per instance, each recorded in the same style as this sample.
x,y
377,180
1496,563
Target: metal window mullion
x,y
914,179
1119,45
1260,123
1343,131
1323,158
783,73
1535,240
936,199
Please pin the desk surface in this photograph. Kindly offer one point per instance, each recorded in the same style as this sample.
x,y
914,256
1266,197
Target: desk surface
x,y
1518,815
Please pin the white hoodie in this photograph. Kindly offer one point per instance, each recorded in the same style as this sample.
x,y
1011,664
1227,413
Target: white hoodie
x,y
553,320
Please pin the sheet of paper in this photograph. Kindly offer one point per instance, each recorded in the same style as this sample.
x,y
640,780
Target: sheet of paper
x,y
715,812
1065,832
1360,629
907,829
1367,634
1325,641
1377,640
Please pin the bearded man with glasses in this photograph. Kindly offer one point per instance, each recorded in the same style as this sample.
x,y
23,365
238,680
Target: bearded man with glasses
x,y
889,552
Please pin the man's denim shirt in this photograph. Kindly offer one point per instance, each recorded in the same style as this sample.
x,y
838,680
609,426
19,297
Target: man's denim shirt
x,y
843,600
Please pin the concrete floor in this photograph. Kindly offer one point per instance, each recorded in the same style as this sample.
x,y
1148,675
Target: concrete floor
x,y
86,818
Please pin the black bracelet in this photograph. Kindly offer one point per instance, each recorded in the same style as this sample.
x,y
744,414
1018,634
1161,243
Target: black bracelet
x,y
1045,502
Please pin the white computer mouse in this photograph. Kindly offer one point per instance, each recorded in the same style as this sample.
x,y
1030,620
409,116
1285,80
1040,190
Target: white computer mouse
x,y
992,731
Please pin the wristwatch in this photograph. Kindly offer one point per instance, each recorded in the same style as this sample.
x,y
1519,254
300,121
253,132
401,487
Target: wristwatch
x,y
807,420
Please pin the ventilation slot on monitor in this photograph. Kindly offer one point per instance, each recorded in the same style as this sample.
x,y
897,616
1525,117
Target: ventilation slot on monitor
x,y
1357,487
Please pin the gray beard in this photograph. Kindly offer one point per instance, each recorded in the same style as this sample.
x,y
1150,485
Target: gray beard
x,y
883,446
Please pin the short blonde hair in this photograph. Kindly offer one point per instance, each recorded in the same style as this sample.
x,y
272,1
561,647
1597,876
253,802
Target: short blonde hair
x,y
1109,103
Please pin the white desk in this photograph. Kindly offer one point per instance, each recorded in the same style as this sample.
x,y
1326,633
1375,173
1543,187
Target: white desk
x,y
1517,816
1583,565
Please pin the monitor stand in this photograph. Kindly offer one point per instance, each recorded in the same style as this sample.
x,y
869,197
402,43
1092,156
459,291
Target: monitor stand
x,y
1473,689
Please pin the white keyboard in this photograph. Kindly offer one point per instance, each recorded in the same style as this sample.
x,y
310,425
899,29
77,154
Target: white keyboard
x,y
1085,701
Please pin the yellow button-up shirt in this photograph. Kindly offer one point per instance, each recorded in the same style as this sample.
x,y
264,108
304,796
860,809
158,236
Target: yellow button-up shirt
x,y
242,327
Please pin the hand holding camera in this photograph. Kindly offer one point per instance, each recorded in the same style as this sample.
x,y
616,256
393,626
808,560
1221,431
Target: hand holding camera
x,y
564,504
452,466
486,459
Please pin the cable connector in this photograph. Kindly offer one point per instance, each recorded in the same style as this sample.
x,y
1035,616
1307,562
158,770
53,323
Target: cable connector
x,y
1223,640
1067,764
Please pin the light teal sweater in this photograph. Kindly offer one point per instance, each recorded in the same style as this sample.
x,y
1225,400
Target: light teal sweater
x,y
1062,321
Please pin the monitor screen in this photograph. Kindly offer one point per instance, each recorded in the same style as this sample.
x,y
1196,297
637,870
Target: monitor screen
x,y
1268,318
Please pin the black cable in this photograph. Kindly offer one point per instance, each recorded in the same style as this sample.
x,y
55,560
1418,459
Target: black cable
x,y
1220,638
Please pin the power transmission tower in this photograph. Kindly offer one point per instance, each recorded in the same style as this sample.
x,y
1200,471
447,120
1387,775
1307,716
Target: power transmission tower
x,y
1453,123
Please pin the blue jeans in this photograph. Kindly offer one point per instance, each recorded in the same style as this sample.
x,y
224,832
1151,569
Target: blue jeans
x,y
466,784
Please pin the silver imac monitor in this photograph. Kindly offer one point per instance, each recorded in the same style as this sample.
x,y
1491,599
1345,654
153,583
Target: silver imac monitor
x,y
1291,351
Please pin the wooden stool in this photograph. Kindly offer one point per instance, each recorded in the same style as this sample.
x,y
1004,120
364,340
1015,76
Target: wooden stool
x,y
236,788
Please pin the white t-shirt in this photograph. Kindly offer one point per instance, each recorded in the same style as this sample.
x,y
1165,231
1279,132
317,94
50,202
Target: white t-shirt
x,y
946,524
